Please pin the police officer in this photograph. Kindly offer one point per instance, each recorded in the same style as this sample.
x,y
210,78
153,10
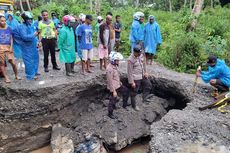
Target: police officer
x,y
137,76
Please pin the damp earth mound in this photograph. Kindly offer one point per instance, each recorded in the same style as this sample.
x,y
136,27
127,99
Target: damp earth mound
x,y
171,120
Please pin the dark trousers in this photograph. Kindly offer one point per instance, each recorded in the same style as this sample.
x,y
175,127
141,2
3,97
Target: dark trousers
x,y
124,91
220,86
143,86
49,47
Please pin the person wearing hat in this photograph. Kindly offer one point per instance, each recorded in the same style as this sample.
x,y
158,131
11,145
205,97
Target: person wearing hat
x,y
66,44
218,74
99,22
152,38
85,35
25,35
17,16
114,84
6,49
136,35
55,19
138,76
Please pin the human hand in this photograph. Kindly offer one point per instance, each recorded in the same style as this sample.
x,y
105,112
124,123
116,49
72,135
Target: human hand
x,y
198,73
146,75
133,85
35,33
213,81
114,94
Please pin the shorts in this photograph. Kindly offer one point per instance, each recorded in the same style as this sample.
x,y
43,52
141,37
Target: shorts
x,y
87,54
6,53
103,53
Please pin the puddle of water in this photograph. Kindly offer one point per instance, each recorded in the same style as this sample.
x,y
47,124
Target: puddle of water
x,y
136,148
46,149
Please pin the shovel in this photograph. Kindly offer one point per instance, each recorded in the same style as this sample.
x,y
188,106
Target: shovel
x,y
195,82
217,103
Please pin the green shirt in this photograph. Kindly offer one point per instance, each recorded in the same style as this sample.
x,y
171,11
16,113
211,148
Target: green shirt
x,y
47,30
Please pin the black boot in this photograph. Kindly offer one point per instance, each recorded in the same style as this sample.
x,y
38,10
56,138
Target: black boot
x,y
147,98
72,68
110,114
133,103
68,69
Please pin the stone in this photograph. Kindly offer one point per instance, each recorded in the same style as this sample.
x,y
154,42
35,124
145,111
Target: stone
x,y
60,140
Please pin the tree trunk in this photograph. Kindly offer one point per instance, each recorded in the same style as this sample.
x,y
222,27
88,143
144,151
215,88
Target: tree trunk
x,y
170,5
185,3
212,5
98,6
190,4
28,4
21,6
137,3
196,12
91,5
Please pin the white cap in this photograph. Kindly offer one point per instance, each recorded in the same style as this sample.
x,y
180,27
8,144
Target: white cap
x,y
138,15
82,16
2,15
100,18
115,56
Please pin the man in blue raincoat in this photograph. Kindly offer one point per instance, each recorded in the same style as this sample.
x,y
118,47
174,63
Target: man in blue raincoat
x,y
152,38
55,19
218,74
26,36
137,31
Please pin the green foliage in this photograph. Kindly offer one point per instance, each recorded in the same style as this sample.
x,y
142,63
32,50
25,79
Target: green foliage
x,y
216,46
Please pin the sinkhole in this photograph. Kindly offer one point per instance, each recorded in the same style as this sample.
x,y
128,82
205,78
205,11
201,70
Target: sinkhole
x,y
86,111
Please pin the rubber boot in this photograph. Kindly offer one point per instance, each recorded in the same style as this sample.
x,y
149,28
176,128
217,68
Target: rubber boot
x,y
68,69
110,114
72,67
133,103
147,98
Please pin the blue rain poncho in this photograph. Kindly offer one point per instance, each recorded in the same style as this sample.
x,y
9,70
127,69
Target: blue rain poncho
x,y
66,44
152,36
24,37
13,23
136,33
219,71
56,21
79,52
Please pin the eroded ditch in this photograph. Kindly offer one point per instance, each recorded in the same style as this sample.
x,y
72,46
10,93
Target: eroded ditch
x,y
86,112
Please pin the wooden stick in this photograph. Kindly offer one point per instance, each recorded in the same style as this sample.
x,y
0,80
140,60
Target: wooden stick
x,y
196,80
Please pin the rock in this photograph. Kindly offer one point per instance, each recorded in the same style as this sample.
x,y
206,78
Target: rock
x,y
60,140
92,107
106,103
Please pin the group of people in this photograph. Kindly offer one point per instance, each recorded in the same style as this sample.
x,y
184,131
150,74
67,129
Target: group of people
x,y
73,36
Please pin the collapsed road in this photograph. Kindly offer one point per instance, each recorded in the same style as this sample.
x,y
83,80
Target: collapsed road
x,y
29,109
